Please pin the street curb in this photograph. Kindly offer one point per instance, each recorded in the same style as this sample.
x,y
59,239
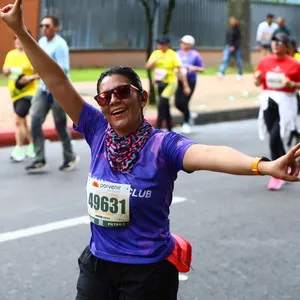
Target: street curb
x,y
7,138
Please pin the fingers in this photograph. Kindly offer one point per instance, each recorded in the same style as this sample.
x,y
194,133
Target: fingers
x,y
295,167
6,8
290,178
18,3
294,151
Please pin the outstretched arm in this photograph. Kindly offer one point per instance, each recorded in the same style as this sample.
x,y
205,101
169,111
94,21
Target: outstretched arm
x,y
228,160
50,72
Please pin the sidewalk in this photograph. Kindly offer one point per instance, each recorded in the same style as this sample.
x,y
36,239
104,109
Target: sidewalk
x,y
214,100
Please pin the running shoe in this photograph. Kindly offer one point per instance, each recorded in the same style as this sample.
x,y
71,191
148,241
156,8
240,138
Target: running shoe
x,y
30,151
193,117
69,165
18,154
37,166
275,183
186,128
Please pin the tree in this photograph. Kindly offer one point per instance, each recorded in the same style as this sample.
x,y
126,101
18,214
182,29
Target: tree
x,y
168,16
241,10
151,10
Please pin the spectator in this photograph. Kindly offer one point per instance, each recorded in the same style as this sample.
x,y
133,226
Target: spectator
x,y
264,34
166,63
191,64
22,86
279,76
232,48
281,27
56,47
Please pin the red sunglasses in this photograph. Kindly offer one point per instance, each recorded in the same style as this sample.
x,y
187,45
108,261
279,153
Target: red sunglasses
x,y
121,92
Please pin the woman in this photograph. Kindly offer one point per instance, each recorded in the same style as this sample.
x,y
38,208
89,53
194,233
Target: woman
x,y
132,254
22,87
279,75
293,51
191,64
165,63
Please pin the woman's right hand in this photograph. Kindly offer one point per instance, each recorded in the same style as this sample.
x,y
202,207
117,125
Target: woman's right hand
x,y
12,15
257,77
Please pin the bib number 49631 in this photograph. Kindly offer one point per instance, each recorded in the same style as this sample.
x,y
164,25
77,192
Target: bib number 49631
x,y
105,204
108,203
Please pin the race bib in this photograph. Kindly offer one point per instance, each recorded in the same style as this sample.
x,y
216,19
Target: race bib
x,y
274,80
184,70
15,72
108,203
159,74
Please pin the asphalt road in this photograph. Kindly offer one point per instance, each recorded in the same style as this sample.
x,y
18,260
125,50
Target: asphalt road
x,y
246,240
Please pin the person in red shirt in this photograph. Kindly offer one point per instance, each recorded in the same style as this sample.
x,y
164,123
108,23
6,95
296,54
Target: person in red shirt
x,y
279,76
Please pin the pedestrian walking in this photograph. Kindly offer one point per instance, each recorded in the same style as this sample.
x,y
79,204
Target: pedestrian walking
x,y
279,76
192,63
264,34
166,63
232,48
22,86
282,28
56,47
132,254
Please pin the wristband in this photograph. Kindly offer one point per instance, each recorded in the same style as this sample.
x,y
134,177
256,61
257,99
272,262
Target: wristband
x,y
254,166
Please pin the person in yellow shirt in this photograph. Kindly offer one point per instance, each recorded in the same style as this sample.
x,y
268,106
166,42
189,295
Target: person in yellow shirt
x,y
165,63
22,86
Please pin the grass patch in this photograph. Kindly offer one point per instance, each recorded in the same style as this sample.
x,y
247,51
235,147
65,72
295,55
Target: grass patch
x,y
3,80
84,75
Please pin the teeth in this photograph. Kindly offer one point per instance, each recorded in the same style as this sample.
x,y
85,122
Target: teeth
x,y
118,111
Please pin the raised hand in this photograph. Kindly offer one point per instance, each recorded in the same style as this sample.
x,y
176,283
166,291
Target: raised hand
x,y
12,15
286,167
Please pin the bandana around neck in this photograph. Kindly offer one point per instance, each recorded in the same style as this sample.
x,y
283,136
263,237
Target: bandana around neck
x,y
122,152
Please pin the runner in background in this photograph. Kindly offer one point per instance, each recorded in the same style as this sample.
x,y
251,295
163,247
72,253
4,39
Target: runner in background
x,y
279,75
53,44
264,34
191,64
22,86
132,254
166,63
293,51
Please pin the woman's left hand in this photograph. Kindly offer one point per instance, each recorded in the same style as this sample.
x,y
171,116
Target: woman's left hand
x,y
187,91
286,167
12,15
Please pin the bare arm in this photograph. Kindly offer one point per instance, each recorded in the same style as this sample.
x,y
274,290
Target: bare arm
x,y
228,160
6,71
150,64
49,71
217,158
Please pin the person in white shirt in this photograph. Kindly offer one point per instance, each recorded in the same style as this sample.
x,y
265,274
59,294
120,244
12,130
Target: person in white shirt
x,y
264,34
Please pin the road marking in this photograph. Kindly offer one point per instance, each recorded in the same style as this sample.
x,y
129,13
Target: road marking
x,y
178,199
183,277
39,229
35,230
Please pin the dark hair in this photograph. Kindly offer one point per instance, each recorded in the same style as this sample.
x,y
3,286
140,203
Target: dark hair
x,y
121,70
270,16
55,20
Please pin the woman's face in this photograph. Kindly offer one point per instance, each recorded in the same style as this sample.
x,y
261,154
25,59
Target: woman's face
x,y
278,48
162,47
125,116
185,47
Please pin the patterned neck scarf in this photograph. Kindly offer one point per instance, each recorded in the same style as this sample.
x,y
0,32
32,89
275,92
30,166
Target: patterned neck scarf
x,y
122,152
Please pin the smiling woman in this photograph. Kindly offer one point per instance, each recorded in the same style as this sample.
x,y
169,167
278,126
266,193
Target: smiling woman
x,y
132,254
